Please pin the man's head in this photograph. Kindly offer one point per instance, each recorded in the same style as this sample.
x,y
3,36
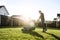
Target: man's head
x,y
40,11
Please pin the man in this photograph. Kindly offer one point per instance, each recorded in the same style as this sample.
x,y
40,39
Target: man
x,y
42,21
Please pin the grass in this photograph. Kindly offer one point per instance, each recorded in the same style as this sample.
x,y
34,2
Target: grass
x,y
37,34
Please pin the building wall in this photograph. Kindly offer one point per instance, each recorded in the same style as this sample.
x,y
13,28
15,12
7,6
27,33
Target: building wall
x,y
0,19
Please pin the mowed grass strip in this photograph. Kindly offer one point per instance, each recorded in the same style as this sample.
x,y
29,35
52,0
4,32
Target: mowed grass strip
x,y
37,34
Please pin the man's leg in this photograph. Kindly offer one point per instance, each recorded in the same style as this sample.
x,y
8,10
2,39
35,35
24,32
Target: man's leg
x,y
44,27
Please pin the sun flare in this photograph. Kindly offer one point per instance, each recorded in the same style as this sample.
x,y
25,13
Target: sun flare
x,y
29,11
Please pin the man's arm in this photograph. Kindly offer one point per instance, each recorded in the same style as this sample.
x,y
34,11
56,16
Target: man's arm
x,y
39,18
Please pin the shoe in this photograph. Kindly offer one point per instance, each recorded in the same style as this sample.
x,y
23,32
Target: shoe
x,y
44,30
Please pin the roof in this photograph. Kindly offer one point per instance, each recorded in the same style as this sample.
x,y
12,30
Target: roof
x,y
1,6
16,15
5,8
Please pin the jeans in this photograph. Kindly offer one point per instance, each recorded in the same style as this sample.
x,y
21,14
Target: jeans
x,y
44,26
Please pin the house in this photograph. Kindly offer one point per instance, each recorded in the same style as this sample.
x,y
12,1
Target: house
x,y
17,20
3,14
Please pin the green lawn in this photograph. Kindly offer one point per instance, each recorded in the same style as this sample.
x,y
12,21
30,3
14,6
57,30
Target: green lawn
x,y
37,34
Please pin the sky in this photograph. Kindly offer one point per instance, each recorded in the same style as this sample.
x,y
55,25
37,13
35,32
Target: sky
x,y
30,8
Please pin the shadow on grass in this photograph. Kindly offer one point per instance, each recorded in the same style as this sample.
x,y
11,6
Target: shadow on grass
x,y
33,33
53,35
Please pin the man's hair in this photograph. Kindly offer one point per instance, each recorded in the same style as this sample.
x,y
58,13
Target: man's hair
x,y
39,11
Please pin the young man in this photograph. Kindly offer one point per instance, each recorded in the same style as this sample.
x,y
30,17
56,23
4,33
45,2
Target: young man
x,y
42,21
